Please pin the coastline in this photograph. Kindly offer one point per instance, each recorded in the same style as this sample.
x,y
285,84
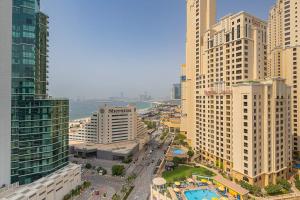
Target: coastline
x,y
142,110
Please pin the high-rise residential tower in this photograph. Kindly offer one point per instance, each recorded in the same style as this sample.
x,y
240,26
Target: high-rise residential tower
x,y
39,124
223,58
261,131
284,54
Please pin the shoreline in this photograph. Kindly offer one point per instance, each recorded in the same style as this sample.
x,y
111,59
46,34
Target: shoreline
x,y
139,112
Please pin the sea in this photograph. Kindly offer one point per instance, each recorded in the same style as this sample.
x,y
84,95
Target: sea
x,y
84,108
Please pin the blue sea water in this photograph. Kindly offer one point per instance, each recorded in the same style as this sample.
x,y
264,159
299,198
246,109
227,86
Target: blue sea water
x,y
200,195
84,108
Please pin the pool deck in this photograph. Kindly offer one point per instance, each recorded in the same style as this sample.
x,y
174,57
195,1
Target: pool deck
x,y
170,154
194,187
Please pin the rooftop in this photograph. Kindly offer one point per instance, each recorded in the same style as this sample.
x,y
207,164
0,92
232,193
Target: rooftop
x,y
120,147
231,185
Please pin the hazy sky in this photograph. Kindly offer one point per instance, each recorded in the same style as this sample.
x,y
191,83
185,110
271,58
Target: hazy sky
x,y
100,48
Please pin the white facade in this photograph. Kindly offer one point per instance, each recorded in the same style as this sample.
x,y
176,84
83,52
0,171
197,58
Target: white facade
x,y
117,124
5,89
52,187
87,131
110,125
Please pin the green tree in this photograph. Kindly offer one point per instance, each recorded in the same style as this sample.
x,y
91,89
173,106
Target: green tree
x,y
118,170
190,153
130,179
88,166
253,189
284,184
124,189
274,189
86,184
177,161
297,181
104,171
127,160
116,197
297,184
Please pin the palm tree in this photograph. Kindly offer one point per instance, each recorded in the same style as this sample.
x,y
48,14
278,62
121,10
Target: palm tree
x,y
116,197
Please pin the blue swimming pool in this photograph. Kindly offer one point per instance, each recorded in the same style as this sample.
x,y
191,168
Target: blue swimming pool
x,y
200,195
297,166
177,151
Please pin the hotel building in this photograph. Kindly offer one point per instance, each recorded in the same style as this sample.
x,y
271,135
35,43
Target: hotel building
x,y
221,56
33,126
284,55
111,125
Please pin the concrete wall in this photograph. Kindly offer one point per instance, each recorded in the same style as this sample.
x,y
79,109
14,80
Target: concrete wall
x,y
5,89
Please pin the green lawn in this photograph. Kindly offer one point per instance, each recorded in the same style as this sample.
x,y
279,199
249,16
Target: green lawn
x,y
183,172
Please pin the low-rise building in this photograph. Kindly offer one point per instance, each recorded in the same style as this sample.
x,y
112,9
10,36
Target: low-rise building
x,y
54,186
114,151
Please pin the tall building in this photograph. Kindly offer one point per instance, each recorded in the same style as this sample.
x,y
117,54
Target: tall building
x,y
5,89
284,56
110,125
261,135
176,92
184,106
39,124
221,57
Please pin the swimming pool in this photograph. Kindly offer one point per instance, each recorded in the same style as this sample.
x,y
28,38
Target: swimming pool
x,y
200,195
178,151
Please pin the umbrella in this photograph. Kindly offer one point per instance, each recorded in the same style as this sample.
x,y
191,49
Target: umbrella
x,y
190,180
177,183
221,188
176,190
203,180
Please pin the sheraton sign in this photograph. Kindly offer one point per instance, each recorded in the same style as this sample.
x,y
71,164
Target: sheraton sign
x,y
125,110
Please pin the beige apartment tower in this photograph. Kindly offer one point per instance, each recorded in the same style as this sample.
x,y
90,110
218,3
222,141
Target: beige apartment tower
x,y
284,56
219,57
261,135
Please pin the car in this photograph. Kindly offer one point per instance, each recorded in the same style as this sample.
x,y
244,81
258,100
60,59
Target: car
x,y
155,170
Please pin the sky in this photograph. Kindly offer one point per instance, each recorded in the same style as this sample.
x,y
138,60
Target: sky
x,y
100,48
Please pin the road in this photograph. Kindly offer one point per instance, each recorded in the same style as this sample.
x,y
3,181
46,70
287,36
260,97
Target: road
x,y
142,183
143,165
104,184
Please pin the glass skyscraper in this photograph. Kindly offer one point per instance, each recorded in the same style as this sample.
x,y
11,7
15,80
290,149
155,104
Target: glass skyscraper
x,y
39,123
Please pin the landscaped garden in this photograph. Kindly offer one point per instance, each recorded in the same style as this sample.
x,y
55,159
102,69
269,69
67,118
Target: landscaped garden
x,y
183,171
78,190
282,187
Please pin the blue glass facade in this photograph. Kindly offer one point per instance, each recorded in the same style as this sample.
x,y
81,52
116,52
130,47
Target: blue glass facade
x,y
39,123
